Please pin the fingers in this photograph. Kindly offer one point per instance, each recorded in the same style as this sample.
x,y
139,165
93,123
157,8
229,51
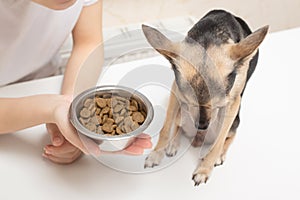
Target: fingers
x,y
63,160
133,150
144,136
137,147
68,130
67,153
57,138
87,145
63,149
72,136
64,154
143,143
90,145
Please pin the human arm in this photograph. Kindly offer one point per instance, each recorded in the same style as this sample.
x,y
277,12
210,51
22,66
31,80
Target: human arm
x,y
87,35
20,113
82,72
24,112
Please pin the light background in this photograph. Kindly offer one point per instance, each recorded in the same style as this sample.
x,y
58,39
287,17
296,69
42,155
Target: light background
x,y
278,14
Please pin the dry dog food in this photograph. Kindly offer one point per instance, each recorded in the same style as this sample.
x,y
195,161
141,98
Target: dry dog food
x,y
111,115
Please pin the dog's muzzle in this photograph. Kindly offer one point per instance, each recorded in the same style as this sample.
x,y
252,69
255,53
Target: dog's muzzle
x,y
202,125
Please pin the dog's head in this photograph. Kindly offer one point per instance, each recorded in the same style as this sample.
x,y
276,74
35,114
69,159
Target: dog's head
x,y
207,78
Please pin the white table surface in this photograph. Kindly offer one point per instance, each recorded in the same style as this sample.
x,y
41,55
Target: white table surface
x,y
263,162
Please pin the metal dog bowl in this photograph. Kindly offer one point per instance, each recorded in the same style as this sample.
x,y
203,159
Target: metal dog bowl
x,y
114,142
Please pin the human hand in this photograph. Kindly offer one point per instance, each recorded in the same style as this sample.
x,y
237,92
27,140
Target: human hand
x,y
137,147
142,142
66,141
60,151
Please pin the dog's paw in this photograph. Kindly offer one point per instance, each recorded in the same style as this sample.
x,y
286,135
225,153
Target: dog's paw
x,y
220,160
154,159
199,178
172,149
201,175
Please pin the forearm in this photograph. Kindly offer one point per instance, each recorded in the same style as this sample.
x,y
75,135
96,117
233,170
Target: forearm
x,y
21,113
79,73
86,59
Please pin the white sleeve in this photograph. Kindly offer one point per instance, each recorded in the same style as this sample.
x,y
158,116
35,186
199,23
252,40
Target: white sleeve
x,y
89,2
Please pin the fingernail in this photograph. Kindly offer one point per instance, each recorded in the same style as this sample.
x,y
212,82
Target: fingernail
x,y
47,150
45,155
57,141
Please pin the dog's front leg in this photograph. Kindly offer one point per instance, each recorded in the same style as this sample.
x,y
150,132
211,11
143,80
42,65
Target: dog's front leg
x,y
203,171
174,141
228,141
165,135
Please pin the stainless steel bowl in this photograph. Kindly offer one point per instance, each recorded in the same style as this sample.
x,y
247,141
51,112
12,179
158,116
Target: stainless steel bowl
x,y
115,142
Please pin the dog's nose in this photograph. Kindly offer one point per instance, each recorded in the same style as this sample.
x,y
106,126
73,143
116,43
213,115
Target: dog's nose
x,y
202,125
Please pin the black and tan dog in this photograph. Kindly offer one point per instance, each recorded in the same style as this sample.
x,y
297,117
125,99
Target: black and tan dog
x,y
212,66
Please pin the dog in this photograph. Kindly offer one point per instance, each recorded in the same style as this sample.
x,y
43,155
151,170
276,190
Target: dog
x,y
212,66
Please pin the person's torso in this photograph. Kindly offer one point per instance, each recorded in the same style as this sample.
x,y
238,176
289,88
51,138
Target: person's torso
x,y
31,35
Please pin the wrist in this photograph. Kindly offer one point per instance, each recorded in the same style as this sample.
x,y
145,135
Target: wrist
x,y
59,102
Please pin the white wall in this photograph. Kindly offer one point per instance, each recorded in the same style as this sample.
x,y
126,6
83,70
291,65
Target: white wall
x,y
279,14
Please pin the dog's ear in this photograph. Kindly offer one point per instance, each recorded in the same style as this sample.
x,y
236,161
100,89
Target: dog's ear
x,y
249,44
160,42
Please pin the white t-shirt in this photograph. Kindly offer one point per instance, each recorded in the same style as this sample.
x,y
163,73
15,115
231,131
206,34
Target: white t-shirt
x,y
31,35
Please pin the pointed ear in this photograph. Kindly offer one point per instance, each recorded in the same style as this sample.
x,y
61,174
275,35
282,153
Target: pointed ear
x,y
249,44
160,42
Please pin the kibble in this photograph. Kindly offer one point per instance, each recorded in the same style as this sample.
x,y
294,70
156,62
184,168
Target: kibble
x,y
85,113
101,102
138,117
111,115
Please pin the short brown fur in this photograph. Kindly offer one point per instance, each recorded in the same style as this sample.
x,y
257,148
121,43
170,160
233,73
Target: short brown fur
x,y
210,74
